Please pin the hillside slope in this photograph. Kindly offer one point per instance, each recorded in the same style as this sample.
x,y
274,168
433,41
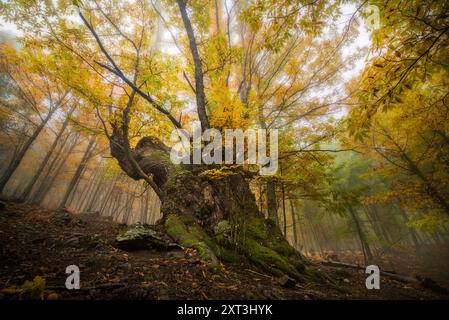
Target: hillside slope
x,y
36,242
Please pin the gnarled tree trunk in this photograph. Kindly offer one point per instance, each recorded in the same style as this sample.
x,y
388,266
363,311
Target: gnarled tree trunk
x,y
216,216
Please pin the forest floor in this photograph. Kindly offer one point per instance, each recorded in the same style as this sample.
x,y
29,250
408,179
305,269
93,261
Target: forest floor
x,y
33,244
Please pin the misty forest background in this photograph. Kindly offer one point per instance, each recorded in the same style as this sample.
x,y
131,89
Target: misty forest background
x,y
364,153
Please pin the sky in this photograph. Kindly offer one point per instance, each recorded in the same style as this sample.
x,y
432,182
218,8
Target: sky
x,y
9,28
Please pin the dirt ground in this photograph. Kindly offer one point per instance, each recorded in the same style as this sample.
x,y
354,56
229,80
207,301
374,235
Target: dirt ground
x,y
32,244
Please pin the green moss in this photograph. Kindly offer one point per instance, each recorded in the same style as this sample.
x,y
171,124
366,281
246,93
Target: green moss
x,y
162,155
256,227
317,275
223,228
298,263
268,233
185,231
279,244
262,242
139,238
222,240
228,255
177,173
269,259
256,238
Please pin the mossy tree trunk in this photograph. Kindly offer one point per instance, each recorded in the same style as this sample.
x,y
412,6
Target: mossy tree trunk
x,y
216,216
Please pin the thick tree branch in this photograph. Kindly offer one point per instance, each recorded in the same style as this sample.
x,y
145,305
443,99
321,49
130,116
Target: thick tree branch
x,y
199,76
117,71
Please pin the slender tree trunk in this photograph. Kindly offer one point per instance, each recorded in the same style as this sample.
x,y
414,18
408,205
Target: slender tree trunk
x,y
295,227
78,172
73,194
317,239
412,232
199,81
107,205
128,207
301,226
86,193
51,168
153,207
430,189
145,207
362,237
6,155
261,200
94,198
272,205
107,196
284,214
50,176
44,162
386,232
16,161
116,206
142,215
376,224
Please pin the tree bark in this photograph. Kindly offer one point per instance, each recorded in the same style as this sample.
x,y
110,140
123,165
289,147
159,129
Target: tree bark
x,y
377,224
199,81
284,213
216,216
86,194
14,164
106,197
412,231
40,169
50,176
362,237
93,200
78,172
295,227
272,203
429,187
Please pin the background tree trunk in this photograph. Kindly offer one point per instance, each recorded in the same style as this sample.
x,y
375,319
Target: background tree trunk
x,y
363,240
14,164
53,171
272,204
44,162
78,172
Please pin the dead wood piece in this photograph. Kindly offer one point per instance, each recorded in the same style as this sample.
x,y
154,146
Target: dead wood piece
x,y
424,282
